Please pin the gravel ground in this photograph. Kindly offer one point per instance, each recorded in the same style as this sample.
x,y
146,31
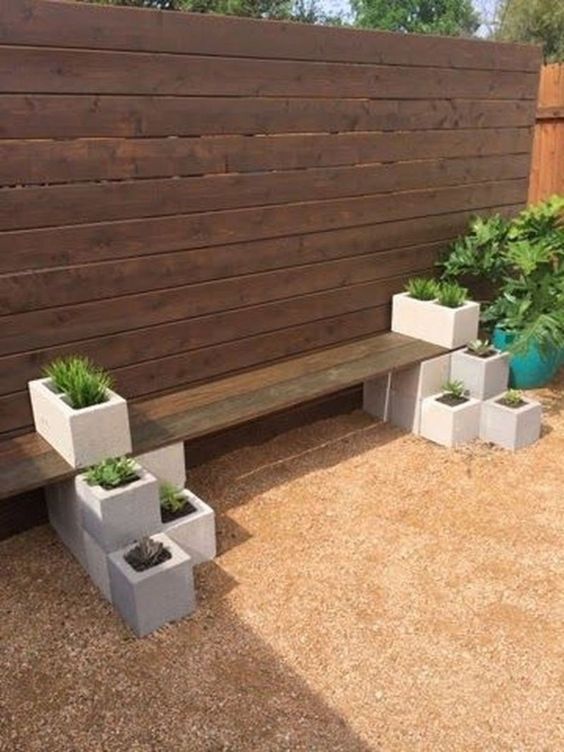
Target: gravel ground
x,y
373,592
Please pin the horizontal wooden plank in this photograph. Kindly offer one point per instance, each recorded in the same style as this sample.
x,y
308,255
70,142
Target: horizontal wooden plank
x,y
79,116
47,327
550,113
27,462
58,71
100,202
32,249
65,285
24,162
37,22
183,368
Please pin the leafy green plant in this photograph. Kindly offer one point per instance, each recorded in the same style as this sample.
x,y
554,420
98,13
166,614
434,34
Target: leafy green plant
x,y
172,499
454,389
480,347
147,553
478,253
451,294
112,473
421,288
83,382
513,398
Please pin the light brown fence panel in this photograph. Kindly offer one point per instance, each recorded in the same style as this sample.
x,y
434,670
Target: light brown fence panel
x,y
187,196
547,170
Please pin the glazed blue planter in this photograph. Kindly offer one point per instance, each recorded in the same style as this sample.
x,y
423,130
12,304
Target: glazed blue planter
x,y
531,369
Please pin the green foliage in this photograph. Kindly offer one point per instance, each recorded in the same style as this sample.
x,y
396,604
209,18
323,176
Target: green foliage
x,y
454,389
479,253
421,288
534,21
448,17
172,499
512,397
80,379
480,347
112,473
451,294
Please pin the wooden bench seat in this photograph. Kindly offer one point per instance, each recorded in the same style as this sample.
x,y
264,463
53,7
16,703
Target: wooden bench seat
x,y
28,462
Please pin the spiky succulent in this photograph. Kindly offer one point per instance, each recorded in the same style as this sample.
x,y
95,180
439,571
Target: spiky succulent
x,y
421,288
83,382
112,473
147,553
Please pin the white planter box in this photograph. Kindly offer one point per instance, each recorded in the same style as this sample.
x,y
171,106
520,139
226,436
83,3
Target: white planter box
x,y
510,427
117,517
195,532
97,565
82,437
408,387
166,464
147,600
482,377
450,426
65,516
431,322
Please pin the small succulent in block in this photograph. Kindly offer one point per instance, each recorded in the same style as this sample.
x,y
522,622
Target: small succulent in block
x,y
453,393
421,288
147,553
480,348
512,398
174,502
451,295
83,382
112,473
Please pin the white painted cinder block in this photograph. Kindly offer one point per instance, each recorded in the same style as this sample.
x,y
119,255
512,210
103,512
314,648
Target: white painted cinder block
x,y
510,427
65,516
97,565
166,464
431,322
195,532
450,426
82,437
147,600
482,377
117,517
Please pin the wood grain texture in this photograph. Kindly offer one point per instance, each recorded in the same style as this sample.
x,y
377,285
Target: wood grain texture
x,y
547,168
187,196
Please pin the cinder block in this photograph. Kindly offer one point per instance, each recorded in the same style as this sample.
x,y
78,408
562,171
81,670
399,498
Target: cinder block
x,y
167,464
65,515
82,437
195,532
450,426
482,377
431,322
147,600
97,565
510,427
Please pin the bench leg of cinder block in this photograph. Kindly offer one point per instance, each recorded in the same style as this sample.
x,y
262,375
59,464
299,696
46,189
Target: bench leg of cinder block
x,y
376,396
64,510
167,464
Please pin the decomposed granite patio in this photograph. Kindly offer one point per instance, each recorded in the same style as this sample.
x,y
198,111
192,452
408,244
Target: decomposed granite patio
x,y
372,592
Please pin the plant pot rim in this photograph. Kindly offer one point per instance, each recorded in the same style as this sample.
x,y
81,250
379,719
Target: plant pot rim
x,y
201,508
452,408
463,307
513,410
47,384
178,556
107,493
497,353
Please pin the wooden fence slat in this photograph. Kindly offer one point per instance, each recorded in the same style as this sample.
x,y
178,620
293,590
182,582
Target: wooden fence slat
x,y
547,169
38,22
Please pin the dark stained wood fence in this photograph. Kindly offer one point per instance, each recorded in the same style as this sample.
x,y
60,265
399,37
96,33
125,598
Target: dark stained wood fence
x,y
188,196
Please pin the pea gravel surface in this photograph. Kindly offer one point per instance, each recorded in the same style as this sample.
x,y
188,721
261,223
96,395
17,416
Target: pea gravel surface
x,y
372,592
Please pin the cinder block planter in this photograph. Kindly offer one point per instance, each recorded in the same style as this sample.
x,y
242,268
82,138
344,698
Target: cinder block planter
x,y
431,322
82,437
147,600
166,464
483,377
65,516
117,517
450,425
408,387
97,565
195,531
510,427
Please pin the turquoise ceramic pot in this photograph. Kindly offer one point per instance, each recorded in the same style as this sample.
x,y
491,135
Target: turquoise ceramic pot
x,y
531,369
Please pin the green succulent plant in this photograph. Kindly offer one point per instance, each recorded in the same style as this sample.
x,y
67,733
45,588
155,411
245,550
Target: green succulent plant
x,y
451,294
83,382
112,473
480,347
421,288
513,397
172,499
454,389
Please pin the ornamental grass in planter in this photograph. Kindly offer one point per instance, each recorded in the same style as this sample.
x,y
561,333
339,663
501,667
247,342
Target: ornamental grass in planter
x,y
189,521
451,417
120,502
483,369
437,313
511,420
151,583
76,411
